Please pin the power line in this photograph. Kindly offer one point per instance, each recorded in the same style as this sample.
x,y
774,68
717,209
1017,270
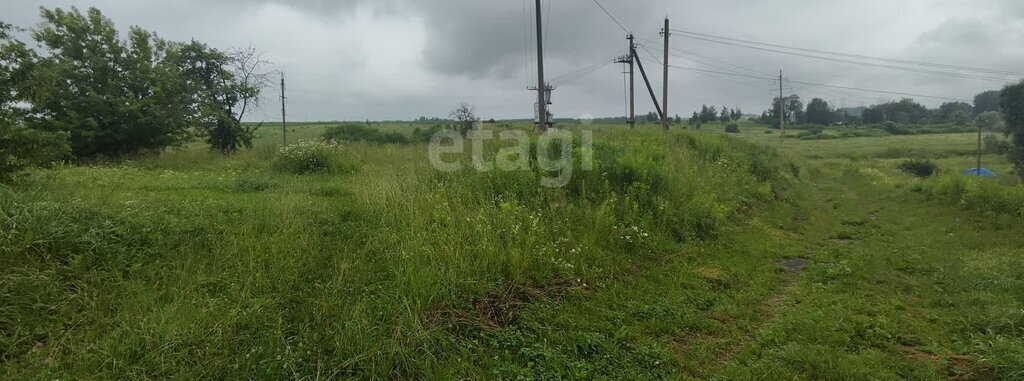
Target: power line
x,y
824,85
547,22
612,17
880,91
907,69
722,72
580,73
860,56
527,33
653,57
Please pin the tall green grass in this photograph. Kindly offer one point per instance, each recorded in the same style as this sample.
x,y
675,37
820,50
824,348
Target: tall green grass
x,y
977,194
192,265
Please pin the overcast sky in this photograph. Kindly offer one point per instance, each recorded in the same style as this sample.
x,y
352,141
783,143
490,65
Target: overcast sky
x,y
401,59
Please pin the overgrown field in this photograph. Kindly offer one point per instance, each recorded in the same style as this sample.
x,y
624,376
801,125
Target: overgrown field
x,y
368,263
687,255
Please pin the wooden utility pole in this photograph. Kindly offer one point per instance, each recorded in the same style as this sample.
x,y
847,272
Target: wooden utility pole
x,y
284,119
782,107
979,150
542,110
664,98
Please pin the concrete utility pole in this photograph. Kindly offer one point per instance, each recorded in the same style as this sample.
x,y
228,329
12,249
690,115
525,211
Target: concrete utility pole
x,y
284,119
664,98
631,118
782,107
542,110
646,81
633,104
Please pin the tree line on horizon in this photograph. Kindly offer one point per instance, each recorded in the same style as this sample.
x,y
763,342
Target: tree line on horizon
x,y
905,111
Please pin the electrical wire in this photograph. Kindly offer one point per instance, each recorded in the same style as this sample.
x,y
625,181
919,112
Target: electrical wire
x,y
901,68
860,56
612,17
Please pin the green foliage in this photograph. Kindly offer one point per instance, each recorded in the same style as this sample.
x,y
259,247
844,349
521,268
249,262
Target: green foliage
x,y
113,97
973,193
1012,105
21,146
919,168
819,112
732,128
990,121
225,87
361,133
996,145
986,101
313,156
708,114
959,113
906,111
895,129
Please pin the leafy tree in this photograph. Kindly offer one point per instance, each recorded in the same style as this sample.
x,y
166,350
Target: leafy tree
x,y
819,112
990,121
735,115
795,110
677,120
725,117
987,101
708,114
771,116
955,112
113,97
21,146
227,86
1012,104
906,111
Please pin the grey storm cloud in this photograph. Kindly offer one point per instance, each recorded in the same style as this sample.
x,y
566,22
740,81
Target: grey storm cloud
x,y
390,59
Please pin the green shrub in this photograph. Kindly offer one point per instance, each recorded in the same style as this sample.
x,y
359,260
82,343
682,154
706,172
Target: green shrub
x,y
919,168
420,135
971,192
312,156
358,132
895,129
22,148
732,128
993,144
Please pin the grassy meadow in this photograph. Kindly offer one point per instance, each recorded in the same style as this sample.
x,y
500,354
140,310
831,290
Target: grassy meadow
x,y
682,255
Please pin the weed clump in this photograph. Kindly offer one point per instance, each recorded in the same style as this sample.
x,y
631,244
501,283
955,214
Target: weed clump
x,y
361,133
312,156
919,168
732,128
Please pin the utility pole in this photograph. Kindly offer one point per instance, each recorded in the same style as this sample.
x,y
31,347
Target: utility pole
x,y
633,104
664,98
284,119
542,112
643,73
979,150
631,118
782,107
